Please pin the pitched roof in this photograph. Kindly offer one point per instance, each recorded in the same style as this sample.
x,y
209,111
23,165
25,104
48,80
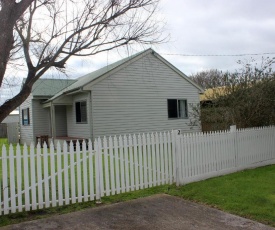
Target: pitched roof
x,y
49,87
82,81
88,78
94,75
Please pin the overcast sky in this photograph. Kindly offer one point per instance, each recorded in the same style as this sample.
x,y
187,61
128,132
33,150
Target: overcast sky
x,y
199,27
218,27
212,27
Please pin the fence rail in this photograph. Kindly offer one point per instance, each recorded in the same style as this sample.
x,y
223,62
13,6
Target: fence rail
x,y
36,177
204,155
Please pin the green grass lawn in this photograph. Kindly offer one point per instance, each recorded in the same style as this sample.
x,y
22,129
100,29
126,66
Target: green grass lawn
x,y
249,193
4,141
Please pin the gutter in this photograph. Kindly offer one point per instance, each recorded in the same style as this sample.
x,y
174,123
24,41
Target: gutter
x,y
70,92
73,91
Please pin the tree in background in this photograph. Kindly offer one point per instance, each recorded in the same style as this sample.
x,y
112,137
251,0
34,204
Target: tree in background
x,y
246,98
41,35
209,78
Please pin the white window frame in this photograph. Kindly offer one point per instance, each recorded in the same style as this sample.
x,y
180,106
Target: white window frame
x,y
81,121
179,116
26,116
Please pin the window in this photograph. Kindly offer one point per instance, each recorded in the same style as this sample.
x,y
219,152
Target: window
x,y
81,112
177,108
26,116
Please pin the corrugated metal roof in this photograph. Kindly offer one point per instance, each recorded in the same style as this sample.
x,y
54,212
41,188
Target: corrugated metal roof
x,y
50,87
88,78
82,81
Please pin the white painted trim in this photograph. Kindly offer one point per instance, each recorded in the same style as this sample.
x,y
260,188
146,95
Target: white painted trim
x,y
177,71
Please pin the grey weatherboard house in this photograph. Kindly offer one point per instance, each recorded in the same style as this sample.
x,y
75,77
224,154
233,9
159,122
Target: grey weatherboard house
x,y
141,93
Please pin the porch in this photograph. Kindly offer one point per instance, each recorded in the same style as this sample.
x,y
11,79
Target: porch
x,y
63,121
68,140
45,138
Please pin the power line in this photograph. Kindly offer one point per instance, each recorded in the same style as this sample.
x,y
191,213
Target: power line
x,y
218,55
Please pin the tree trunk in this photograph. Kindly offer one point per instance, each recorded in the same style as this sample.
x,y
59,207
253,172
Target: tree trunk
x,y
9,14
6,37
13,103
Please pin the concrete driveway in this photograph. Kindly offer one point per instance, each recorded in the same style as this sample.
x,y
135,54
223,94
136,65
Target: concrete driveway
x,y
155,212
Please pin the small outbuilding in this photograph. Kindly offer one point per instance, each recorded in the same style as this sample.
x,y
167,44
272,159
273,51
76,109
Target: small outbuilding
x,y
9,127
13,117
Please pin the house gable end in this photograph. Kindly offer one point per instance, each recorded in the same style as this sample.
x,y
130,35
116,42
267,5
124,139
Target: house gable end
x,y
136,58
201,90
134,99
87,81
118,68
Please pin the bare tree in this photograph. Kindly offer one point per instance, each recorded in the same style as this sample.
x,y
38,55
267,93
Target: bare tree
x,y
47,33
209,78
246,98
10,12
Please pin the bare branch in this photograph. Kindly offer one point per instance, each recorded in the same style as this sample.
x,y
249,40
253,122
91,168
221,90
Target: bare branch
x,y
50,32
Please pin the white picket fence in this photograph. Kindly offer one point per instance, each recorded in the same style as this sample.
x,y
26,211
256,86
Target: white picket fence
x,y
35,178
204,155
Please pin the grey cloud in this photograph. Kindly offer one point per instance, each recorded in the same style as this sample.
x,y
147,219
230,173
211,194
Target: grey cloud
x,y
218,27
200,27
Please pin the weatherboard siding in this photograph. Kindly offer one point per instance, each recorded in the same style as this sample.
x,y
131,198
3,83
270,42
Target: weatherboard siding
x,y
77,129
134,100
26,131
41,119
61,121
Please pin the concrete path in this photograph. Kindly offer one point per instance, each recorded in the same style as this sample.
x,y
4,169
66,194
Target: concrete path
x,y
155,212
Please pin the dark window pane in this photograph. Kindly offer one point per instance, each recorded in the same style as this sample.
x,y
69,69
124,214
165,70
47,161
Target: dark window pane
x,y
28,111
77,112
81,111
172,108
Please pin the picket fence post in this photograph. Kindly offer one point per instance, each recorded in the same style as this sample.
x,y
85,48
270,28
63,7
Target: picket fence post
x,y
177,154
50,177
233,130
97,170
173,134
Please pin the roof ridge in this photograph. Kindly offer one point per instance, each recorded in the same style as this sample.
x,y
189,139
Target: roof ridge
x,y
50,87
121,61
86,79
52,79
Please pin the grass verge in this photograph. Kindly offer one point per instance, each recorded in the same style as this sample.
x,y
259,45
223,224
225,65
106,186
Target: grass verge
x,y
250,193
